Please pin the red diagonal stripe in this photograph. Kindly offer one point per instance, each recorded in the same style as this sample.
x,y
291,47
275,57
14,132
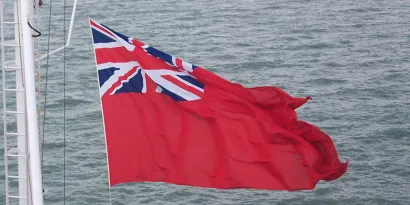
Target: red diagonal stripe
x,y
101,28
115,55
178,62
118,83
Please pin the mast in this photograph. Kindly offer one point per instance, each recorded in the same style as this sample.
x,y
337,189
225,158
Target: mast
x,y
21,141
21,107
36,181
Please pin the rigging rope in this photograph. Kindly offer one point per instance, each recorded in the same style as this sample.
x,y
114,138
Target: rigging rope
x,y
64,84
86,8
46,82
64,94
45,93
45,88
21,55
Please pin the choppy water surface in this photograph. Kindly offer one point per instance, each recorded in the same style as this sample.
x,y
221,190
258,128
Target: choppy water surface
x,y
352,57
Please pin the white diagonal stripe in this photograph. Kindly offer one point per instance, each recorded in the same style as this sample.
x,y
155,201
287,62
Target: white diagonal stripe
x,y
125,65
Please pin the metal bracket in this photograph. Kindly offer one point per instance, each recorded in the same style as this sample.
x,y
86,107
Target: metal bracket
x,y
68,37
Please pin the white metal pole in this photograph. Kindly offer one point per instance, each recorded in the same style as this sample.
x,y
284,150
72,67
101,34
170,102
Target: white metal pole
x,y
21,107
32,125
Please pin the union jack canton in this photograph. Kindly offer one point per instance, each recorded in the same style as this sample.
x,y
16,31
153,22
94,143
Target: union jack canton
x,y
120,71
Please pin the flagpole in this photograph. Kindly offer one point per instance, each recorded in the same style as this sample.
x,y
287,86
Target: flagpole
x,y
36,181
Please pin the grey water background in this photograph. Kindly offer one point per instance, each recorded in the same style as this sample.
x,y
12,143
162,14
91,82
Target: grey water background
x,y
352,57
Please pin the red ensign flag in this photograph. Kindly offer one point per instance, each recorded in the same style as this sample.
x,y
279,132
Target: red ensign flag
x,y
167,120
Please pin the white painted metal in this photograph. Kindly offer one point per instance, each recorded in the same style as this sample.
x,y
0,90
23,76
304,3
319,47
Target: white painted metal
x,y
20,104
19,153
25,112
36,181
27,152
